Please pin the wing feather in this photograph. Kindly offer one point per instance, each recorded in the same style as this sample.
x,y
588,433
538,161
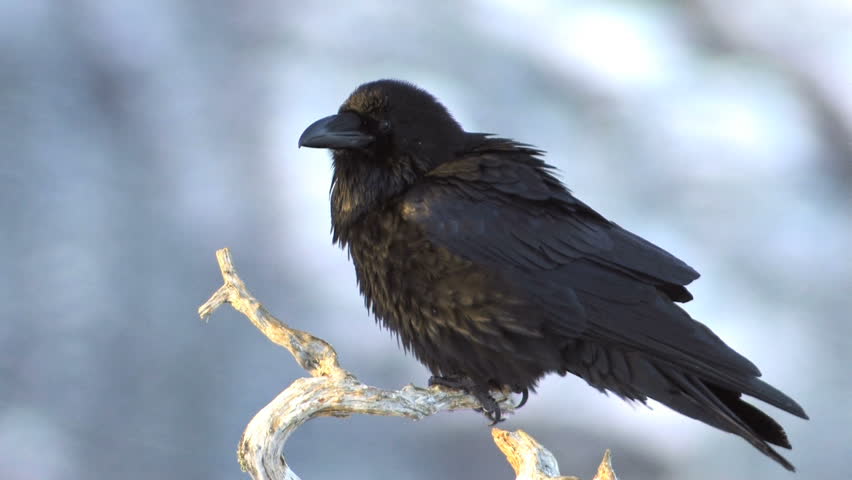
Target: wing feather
x,y
510,216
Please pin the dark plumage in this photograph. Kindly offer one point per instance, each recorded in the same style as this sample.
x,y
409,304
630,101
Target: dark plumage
x,y
494,275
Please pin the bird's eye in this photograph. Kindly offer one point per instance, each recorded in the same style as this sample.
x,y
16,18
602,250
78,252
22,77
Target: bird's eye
x,y
384,126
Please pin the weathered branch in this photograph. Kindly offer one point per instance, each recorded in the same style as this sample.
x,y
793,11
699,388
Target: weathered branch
x,y
333,391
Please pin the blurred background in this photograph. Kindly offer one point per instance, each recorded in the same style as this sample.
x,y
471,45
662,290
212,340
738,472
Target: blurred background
x,y
136,138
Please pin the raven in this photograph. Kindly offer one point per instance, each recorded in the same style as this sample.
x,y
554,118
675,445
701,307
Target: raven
x,y
493,274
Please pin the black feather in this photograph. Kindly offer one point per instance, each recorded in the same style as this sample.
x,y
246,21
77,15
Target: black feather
x,y
490,270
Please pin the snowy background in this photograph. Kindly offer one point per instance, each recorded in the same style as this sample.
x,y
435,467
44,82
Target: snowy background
x,y
136,138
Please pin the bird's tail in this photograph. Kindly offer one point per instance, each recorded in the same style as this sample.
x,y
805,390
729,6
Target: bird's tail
x,y
724,408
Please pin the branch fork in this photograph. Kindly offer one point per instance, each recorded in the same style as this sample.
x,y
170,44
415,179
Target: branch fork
x,y
333,391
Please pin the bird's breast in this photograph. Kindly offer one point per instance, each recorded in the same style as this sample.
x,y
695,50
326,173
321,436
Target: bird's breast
x,y
432,298
394,266
412,286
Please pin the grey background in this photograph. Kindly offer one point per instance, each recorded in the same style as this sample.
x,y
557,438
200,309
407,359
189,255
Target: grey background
x,y
136,138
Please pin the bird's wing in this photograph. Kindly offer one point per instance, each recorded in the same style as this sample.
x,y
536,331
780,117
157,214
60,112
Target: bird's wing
x,y
506,213
534,221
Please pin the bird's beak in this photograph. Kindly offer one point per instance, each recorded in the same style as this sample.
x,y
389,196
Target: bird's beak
x,y
337,131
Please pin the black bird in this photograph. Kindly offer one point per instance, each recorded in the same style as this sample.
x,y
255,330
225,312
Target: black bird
x,y
489,270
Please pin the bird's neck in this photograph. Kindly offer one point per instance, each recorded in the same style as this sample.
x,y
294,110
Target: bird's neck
x,y
360,186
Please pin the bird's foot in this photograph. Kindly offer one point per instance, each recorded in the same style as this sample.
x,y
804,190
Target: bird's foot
x,y
490,407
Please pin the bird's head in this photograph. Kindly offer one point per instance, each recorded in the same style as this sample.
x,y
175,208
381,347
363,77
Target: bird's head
x,y
388,122
385,136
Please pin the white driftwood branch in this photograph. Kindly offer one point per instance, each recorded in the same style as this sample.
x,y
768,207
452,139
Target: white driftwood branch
x,y
531,461
333,391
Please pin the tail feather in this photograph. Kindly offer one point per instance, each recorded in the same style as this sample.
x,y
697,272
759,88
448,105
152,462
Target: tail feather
x,y
710,395
766,428
724,410
761,390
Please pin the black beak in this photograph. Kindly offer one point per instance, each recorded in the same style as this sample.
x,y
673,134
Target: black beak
x,y
337,131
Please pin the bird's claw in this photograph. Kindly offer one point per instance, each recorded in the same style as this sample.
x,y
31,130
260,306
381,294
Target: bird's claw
x,y
490,407
525,395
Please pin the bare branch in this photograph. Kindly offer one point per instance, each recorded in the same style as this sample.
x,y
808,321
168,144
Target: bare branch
x,y
333,391
605,471
531,461
311,353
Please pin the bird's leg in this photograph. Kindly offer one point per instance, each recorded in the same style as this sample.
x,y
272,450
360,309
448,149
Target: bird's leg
x,y
490,407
